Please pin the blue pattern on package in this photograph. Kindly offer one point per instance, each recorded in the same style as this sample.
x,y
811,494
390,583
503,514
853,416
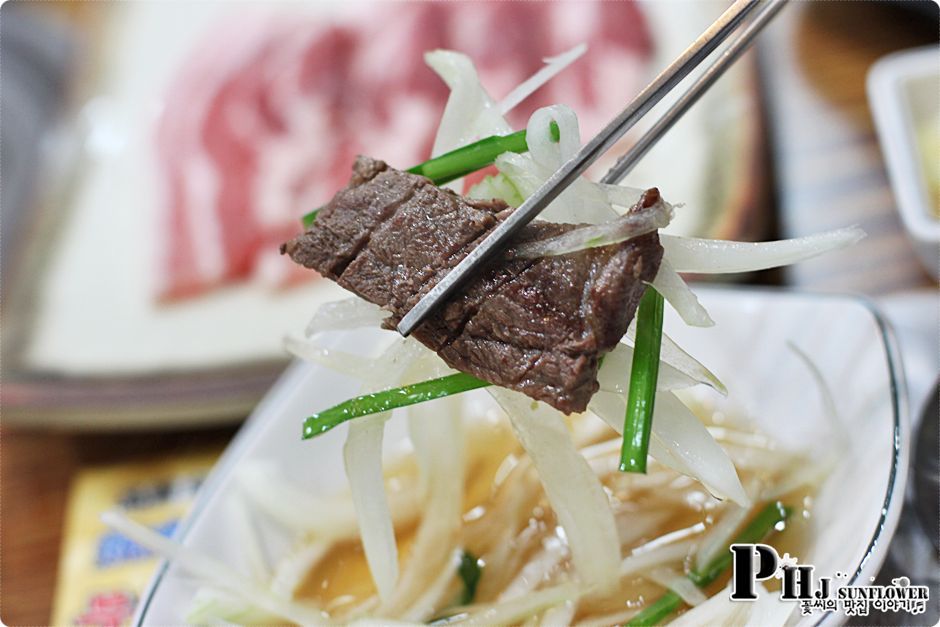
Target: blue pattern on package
x,y
115,548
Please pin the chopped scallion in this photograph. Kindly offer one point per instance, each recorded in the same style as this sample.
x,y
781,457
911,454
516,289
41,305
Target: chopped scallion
x,y
388,400
641,394
470,571
470,158
759,527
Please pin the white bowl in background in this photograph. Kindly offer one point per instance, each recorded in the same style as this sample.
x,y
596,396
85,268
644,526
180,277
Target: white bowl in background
x,y
904,92
855,511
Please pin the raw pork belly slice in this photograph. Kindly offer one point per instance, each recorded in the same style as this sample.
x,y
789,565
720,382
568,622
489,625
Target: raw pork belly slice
x,y
255,135
538,326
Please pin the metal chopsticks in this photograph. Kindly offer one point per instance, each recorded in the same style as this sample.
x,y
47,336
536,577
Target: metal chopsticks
x,y
725,60
700,49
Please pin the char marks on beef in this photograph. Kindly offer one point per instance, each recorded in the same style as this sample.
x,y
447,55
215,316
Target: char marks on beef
x,y
538,326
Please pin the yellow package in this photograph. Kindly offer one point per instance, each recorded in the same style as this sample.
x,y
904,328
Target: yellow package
x,y
102,573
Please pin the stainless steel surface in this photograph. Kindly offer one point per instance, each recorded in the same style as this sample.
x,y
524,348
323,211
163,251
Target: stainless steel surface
x,y
703,46
725,60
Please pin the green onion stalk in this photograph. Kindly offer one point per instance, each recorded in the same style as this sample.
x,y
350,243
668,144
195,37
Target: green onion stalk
x,y
760,526
641,394
388,400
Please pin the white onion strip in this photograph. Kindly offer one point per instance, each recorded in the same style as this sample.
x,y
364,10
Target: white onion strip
x,y
583,201
340,361
614,373
424,608
629,225
342,315
674,355
719,610
436,433
362,456
679,435
719,536
212,570
330,518
211,606
572,488
536,570
704,256
680,441
642,560
672,579
470,112
683,300
553,66
560,615
294,567
514,611
623,196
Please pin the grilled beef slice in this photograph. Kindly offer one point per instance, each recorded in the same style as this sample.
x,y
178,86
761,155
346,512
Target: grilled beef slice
x,y
533,325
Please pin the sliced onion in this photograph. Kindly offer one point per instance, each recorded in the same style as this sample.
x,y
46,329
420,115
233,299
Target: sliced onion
x,y
680,441
497,186
583,201
679,436
211,606
553,66
368,621
573,490
362,455
619,617
674,355
642,560
560,615
543,148
632,526
718,538
516,610
332,518
622,196
627,226
803,474
537,570
672,579
433,597
717,610
614,373
470,113
341,315
294,567
340,361
683,300
214,571
437,437
769,610
688,254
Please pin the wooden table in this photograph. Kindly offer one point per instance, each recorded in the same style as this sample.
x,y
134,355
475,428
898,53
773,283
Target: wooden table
x,y
36,468
817,56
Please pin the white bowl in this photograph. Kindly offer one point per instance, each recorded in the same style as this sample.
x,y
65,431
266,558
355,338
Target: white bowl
x,y
904,92
855,512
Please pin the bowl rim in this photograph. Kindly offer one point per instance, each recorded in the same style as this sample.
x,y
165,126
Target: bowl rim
x,y
870,563
894,126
